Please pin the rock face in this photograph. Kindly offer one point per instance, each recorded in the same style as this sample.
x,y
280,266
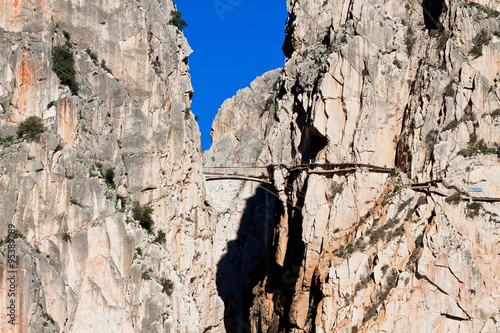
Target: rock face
x,y
402,85
383,117
128,135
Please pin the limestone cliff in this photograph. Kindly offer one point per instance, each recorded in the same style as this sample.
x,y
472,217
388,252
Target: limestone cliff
x,y
127,134
384,116
382,119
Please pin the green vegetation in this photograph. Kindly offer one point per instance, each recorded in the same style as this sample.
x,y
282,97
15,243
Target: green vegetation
x,y
431,137
376,235
410,213
362,284
421,201
64,67
14,235
397,63
47,317
454,199
51,104
92,55
441,36
122,199
177,20
479,41
452,125
410,40
449,91
143,215
495,114
392,280
473,209
145,274
277,83
167,285
66,237
491,13
369,314
109,175
442,39
404,205
8,141
419,243
350,248
66,35
156,66
138,252
160,237
31,128
103,65
365,72
269,103
468,114
340,252
479,147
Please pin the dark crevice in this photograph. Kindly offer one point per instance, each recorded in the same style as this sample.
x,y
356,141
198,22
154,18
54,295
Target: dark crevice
x,y
326,40
281,92
315,297
148,189
453,317
289,32
432,11
289,273
441,116
429,220
403,156
419,276
311,144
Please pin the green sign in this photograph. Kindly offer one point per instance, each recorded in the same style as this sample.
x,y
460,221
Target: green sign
x,y
475,189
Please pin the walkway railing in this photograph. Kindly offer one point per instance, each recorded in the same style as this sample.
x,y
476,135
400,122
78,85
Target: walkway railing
x,y
262,172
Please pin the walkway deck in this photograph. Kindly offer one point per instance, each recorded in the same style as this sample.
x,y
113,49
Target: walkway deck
x,y
262,172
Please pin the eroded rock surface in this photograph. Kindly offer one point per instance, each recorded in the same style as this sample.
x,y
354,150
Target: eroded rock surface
x,y
402,85
85,264
408,86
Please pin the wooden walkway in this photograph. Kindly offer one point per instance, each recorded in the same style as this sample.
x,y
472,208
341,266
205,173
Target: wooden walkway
x,y
262,173
431,186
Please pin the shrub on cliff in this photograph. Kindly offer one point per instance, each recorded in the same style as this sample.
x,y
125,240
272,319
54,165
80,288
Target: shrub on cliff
x,y
473,209
177,20
167,286
482,38
109,175
64,67
31,128
143,215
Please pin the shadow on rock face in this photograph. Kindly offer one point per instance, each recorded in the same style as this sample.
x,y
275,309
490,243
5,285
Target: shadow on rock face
x,y
244,255
248,277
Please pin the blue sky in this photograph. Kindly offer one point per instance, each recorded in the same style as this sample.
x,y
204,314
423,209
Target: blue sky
x,y
234,41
